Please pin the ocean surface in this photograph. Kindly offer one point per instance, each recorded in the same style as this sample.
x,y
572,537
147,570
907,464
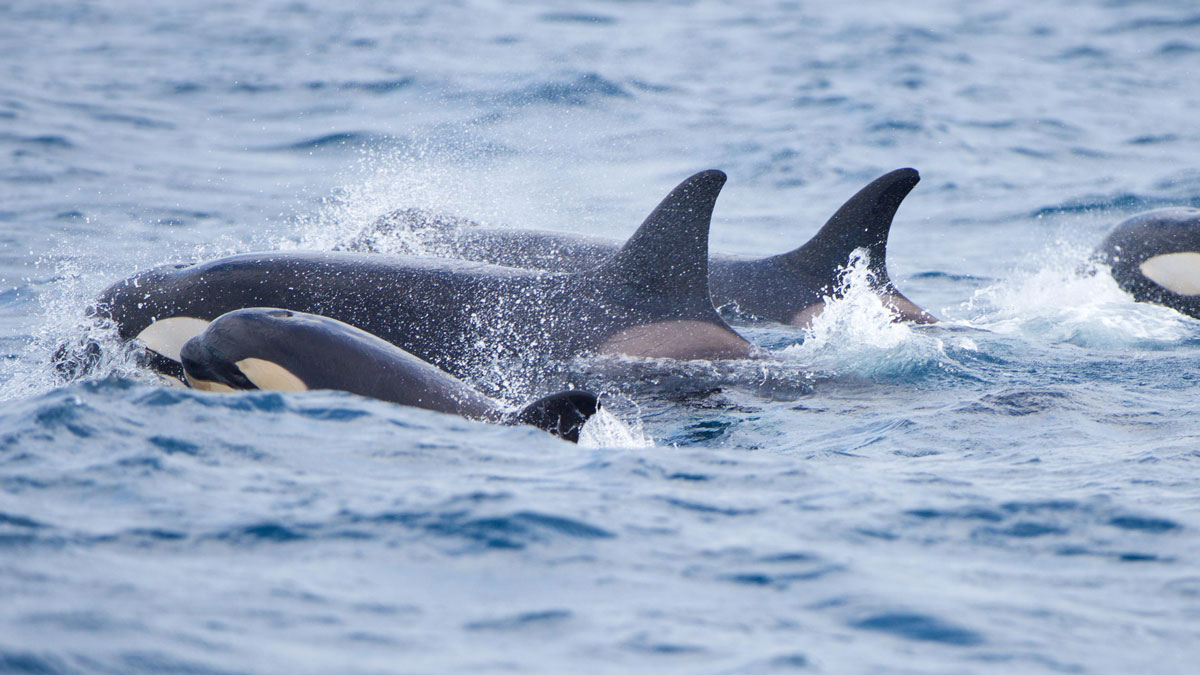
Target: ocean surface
x,y
1014,490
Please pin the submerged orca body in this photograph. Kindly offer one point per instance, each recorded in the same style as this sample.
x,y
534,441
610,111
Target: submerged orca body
x,y
789,288
1155,257
651,299
282,350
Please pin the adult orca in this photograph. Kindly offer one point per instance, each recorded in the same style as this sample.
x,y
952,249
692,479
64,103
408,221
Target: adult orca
x,y
650,299
282,350
1155,257
788,288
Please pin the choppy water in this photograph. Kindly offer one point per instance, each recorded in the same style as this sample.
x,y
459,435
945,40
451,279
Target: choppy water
x,y
1012,491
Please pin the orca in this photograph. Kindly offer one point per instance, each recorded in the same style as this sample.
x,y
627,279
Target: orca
x,y
788,288
651,299
1155,257
282,350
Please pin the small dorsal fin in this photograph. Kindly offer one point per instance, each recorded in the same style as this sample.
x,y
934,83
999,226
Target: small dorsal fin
x,y
864,221
668,255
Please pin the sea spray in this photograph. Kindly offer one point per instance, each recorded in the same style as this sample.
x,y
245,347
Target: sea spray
x,y
857,332
429,182
606,430
66,340
381,184
1067,296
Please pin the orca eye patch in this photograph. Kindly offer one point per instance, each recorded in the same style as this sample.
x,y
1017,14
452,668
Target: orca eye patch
x,y
1176,272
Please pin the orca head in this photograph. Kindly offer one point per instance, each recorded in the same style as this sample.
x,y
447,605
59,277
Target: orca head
x,y
143,309
1155,256
207,369
242,350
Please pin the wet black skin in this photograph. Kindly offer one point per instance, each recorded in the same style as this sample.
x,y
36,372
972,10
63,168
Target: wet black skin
x,y
461,316
786,288
327,354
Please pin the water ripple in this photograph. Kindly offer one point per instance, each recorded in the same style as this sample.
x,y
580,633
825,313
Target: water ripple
x,y
920,627
523,621
580,90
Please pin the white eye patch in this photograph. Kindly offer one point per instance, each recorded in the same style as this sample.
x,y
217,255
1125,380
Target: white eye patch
x,y
1176,272
270,376
167,336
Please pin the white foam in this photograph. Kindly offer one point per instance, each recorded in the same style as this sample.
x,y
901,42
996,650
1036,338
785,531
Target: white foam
x,y
1064,296
857,332
606,430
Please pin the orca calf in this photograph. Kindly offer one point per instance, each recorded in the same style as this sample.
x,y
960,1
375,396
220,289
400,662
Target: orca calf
x,y
650,299
1155,257
788,288
282,350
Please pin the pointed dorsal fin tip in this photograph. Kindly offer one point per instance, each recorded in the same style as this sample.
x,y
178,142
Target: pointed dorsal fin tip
x,y
698,189
898,183
708,175
669,251
686,210
907,176
864,221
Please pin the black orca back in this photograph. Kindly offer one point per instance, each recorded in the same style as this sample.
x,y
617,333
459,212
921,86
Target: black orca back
x,y
562,414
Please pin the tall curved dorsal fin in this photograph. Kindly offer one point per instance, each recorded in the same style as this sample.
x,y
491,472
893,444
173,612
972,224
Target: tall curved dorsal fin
x,y
668,254
864,221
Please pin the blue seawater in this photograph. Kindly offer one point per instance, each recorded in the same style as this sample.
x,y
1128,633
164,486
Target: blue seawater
x,y
1014,490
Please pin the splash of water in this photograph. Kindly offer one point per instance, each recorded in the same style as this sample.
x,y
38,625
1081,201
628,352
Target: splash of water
x,y
1066,296
605,430
62,318
381,184
422,181
857,332
65,335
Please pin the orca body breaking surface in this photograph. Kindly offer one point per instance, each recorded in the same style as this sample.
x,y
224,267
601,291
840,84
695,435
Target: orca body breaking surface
x,y
789,288
282,350
1155,257
650,299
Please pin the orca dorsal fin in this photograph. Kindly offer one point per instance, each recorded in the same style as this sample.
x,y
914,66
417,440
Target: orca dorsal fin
x,y
562,414
864,221
668,254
